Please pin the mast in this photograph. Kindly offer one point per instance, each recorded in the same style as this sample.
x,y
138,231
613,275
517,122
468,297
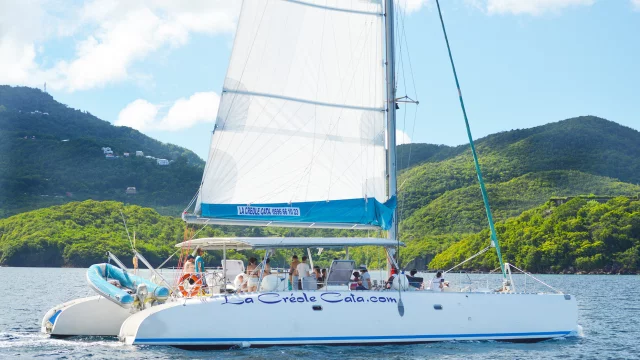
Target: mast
x,y
391,112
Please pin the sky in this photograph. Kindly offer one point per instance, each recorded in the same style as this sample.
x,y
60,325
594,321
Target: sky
x,y
158,65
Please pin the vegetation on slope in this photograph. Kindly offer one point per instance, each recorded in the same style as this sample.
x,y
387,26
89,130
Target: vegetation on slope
x,y
580,235
53,154
462,210
79,234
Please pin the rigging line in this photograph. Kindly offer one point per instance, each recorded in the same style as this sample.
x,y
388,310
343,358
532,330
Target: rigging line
x,y
127,230
404,194
195,197
483,190
470,258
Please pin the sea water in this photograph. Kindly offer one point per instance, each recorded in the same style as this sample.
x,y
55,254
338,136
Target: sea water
x,y
609,316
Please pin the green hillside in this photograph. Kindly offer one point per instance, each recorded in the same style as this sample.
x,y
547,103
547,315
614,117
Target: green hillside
x,y
462,210
588,144
580,235
78,234
53,154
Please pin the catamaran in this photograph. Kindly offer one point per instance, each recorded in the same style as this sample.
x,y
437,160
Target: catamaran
x,y
306,137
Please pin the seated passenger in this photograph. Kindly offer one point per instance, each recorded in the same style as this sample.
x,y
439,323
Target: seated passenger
x,y
437,283
356,282
267,268
366,278
252,272
318,276
394,272
241,285
414,281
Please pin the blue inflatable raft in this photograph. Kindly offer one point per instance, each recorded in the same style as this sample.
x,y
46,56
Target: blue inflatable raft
x,y
119,286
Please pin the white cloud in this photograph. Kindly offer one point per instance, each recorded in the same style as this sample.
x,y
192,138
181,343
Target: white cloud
x,y
635,4
113,36
532,7
140,115
411,5
184,113
402,138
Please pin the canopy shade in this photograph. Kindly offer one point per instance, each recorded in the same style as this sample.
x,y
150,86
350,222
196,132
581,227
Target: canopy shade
x,y
248,243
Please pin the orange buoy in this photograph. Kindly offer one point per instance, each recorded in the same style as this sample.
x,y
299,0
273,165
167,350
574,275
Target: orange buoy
x,y
194,290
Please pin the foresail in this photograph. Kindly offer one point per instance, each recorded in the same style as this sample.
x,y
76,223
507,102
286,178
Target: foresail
x,y
299,135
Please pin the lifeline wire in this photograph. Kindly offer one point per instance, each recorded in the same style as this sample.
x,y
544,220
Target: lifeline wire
x,y
494,237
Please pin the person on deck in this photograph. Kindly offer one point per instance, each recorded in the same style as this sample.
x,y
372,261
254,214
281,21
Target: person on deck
x,y
366,277
252,272
394,273
318,275
303,270
199,264
267,268
437,283
189,267
293,272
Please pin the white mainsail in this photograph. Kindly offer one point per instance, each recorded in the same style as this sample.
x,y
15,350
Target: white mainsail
x,y
300,131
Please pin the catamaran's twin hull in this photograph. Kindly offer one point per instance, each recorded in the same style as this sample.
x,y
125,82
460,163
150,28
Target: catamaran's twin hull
x,y
90,316
363,317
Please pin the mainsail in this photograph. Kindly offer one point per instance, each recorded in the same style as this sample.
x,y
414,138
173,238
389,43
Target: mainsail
x,y
300,131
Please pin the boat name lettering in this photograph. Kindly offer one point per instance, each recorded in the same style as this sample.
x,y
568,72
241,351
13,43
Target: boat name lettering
x,y
301,297
268,211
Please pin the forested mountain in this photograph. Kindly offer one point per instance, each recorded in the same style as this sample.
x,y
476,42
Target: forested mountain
x,y
53,154
580,235
587,144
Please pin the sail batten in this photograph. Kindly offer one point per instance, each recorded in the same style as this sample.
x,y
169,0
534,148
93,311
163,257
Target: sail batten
x,y
289,98
301,121
324,7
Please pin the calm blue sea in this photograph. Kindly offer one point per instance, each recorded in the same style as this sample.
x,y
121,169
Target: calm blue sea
x,y
609,308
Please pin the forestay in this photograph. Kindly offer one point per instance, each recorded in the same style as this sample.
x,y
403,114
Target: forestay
x,y
300,131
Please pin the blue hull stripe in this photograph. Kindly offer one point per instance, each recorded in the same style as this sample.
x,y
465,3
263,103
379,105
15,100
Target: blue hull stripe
x,y
347,211
351,338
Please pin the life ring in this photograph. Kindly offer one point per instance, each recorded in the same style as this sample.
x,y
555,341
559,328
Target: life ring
x,y
194,289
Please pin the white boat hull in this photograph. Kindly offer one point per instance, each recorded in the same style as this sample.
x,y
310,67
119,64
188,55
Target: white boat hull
x,y
92,316
360,317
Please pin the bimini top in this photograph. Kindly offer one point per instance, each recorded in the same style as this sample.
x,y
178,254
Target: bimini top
x,y
247,243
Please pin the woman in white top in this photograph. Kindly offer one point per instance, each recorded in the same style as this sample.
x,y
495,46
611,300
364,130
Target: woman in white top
x,y
437,283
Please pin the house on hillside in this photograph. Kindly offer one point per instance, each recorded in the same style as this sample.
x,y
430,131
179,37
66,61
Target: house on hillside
x,y
110,156
107,150
125,154
139,153
163,162
131,190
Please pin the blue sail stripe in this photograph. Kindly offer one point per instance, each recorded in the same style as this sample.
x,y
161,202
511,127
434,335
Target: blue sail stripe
x,y
354,338
348,211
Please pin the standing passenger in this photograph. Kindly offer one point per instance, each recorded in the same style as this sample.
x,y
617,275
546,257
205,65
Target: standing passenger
x,y
293,272
303,270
